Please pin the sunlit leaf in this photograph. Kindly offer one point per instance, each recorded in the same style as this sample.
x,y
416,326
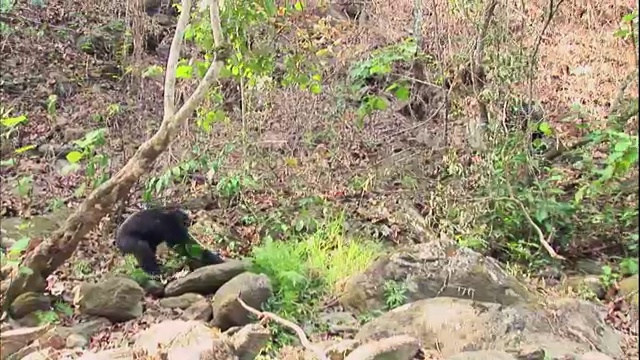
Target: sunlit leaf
x,y
20,245
622,146
74,157
184,72
379,69
323,52
13,121
629,16
24,149
545,128
380,103
315,89
402,93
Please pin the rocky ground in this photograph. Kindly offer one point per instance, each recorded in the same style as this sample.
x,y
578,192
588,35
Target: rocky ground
x,y
284,148
444,318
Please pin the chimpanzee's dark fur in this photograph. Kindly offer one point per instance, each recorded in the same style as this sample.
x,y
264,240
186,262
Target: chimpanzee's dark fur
x,y
142,232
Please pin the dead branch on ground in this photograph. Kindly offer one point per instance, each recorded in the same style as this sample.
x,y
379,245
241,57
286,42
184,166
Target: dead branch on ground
x,y
297,329
45,258
544,242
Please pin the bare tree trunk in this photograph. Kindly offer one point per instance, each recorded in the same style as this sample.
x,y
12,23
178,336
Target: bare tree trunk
x,y
47,256
477,126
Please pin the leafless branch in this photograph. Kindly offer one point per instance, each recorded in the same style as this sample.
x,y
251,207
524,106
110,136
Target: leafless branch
x,y
544,242
297,329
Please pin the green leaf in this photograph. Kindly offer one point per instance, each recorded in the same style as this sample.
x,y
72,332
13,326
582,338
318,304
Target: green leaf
x,y
622,146
580,194
315,89
607,173
392,87
159,185
184,72
545,128
629,266
629,17
380,69
380,103
13,121
621,33
402,93
24,149
541,214
74,157
20,245
298,6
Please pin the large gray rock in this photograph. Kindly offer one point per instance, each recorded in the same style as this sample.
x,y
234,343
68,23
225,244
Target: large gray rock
x,y
253,289
29,302
206,280
117,299
183,340
181,302
249,340
434,269
454,325
200,311
401,347
11,341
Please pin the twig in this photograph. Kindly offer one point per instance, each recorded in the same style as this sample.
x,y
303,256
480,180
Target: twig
x,y
541,239
297,329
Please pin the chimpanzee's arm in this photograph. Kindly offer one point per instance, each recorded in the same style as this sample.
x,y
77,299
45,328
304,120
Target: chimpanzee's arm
x,y
183,243
210,258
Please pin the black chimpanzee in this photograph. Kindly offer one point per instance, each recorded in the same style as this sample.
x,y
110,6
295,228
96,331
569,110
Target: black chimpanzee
x,y
141,233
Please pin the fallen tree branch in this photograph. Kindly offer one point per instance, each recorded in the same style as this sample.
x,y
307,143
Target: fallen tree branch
x,y
297,329
544,242
47,256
